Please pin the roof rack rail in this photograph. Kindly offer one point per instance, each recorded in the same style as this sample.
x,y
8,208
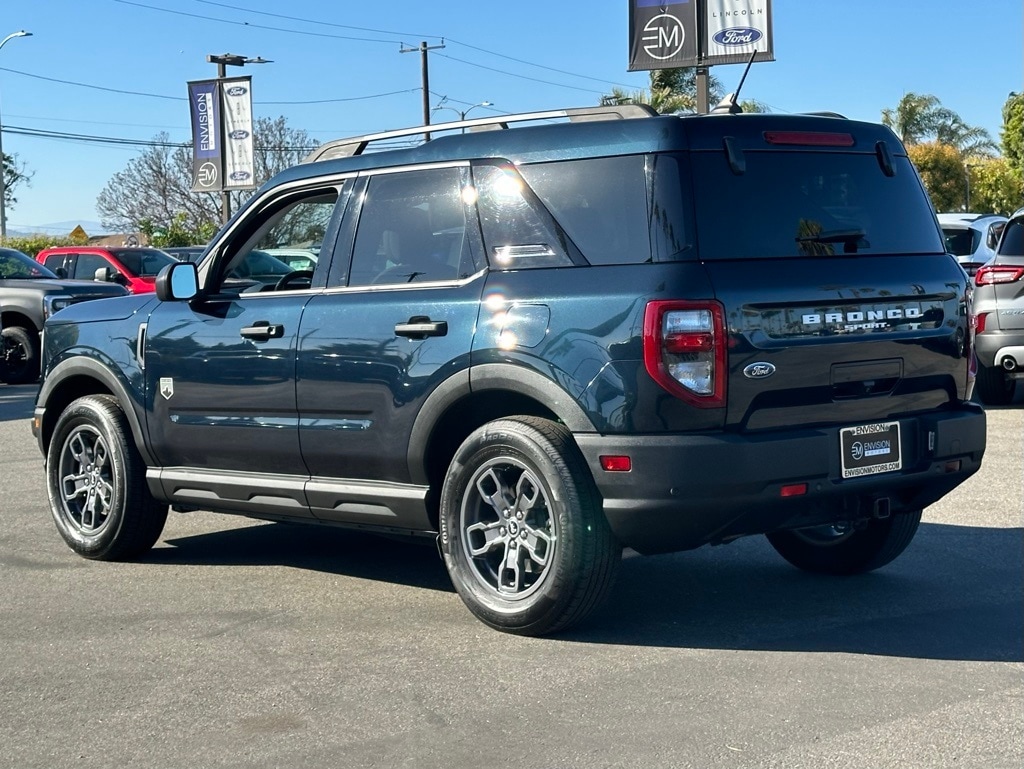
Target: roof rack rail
x,y
356,145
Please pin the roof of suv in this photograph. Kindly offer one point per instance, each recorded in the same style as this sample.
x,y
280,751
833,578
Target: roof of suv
x,y
641,132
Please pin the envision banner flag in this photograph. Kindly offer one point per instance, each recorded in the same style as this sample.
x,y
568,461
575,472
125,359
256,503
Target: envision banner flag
x,y
662,34
207,154
236,100
734,29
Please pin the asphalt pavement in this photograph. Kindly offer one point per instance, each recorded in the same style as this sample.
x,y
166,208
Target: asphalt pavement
x,y
238,643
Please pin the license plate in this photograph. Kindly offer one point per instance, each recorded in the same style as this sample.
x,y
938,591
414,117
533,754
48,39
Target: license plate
x,y
870,449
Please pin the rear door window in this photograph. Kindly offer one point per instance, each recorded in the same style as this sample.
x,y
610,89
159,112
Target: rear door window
x,y
793,204
601,203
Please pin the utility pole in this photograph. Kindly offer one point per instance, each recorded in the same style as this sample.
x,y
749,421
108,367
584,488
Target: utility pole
x,y
222,61
423,48
3,191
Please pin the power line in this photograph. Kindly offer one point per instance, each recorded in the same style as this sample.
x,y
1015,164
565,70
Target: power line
x,y
523,77
314,21
114,140
257,26
184,98
410,34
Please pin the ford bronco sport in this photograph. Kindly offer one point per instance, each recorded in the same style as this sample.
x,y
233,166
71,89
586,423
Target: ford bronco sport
x,y
539,341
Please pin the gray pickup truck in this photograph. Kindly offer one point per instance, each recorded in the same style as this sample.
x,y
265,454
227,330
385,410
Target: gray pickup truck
x,y
29,294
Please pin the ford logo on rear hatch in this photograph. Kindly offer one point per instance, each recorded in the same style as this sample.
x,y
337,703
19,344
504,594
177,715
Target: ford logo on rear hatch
x,y
759,370
239,134
737,36
237,90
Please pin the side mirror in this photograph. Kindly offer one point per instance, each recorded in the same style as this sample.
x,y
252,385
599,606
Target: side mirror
x,y
61,273
177,282
103,275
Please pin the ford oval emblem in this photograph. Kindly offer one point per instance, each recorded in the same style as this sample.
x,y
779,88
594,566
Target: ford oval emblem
x,y
759,370
239,134
238,90
737,36
240,176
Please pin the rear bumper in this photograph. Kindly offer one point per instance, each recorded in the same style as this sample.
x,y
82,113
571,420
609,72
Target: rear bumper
x,y
684,491
993,346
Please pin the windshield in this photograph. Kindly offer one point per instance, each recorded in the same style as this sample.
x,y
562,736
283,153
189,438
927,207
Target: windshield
x,y
143,262
960,242
792,204
14,264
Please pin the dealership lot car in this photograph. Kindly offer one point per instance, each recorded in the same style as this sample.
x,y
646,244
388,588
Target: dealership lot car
x,y
537,344
972,238
132,267
999,317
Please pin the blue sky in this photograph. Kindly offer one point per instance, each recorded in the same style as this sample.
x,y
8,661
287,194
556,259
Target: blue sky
x,y
851,57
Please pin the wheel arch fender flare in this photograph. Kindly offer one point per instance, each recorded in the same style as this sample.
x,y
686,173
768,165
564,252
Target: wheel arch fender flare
x,y
481,379
80,367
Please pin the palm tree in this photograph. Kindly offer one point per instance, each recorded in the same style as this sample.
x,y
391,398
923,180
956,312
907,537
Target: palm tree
x,y
673,91
920,118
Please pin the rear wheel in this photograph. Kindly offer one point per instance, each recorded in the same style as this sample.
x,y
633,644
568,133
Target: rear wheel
x,y
995,387
20,355
96,483
522,530
844,548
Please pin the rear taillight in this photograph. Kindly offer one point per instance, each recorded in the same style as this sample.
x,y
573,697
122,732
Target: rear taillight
x,y
684,350
988,276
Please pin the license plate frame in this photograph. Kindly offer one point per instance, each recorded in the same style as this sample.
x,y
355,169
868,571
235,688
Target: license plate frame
x,y
870,449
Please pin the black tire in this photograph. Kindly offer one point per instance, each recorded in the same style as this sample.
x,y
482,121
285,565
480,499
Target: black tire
x,y
96,482
844,548
539,556
995,388
20,355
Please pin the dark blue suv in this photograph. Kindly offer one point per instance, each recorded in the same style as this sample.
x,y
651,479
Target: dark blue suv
x,y
540,338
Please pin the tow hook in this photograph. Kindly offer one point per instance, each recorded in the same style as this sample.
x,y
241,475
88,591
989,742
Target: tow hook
x,y
882,508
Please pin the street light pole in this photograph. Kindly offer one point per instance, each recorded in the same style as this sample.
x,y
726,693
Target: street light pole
x,y
3,167
222,61
460,112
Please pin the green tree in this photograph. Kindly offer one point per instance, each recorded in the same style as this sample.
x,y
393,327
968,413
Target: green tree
x,y
920,118
943,174
1012,134
674,91
155,189
995,187
15,175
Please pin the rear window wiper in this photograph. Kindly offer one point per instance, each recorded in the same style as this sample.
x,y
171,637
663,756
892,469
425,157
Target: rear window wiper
x,y
851,239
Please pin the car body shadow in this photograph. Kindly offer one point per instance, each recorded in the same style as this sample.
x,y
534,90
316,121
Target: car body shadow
x,y
954,595
401,560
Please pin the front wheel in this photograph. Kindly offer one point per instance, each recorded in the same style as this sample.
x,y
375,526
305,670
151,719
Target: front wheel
x,y
523,534
845,548
20,355
96,483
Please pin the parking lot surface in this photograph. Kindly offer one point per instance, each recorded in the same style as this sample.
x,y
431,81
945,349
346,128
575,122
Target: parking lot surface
x,y
238,643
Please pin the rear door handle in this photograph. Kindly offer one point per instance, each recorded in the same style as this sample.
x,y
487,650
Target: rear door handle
x,y
420,327
263,330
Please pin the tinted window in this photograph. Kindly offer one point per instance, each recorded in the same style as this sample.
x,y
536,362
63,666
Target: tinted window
x,y
958,242
14,264
809,203
1012,243
518,232
412,229
87,264
143,262
601,203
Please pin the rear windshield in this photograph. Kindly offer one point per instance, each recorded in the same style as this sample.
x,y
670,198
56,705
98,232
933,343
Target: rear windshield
x,y
794,204
1012,243
143,262
961,242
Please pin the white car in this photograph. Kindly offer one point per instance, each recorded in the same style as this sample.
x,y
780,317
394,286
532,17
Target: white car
x,y
972,238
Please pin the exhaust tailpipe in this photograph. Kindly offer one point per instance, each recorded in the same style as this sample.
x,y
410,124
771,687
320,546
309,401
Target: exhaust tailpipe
x,y
1009,363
